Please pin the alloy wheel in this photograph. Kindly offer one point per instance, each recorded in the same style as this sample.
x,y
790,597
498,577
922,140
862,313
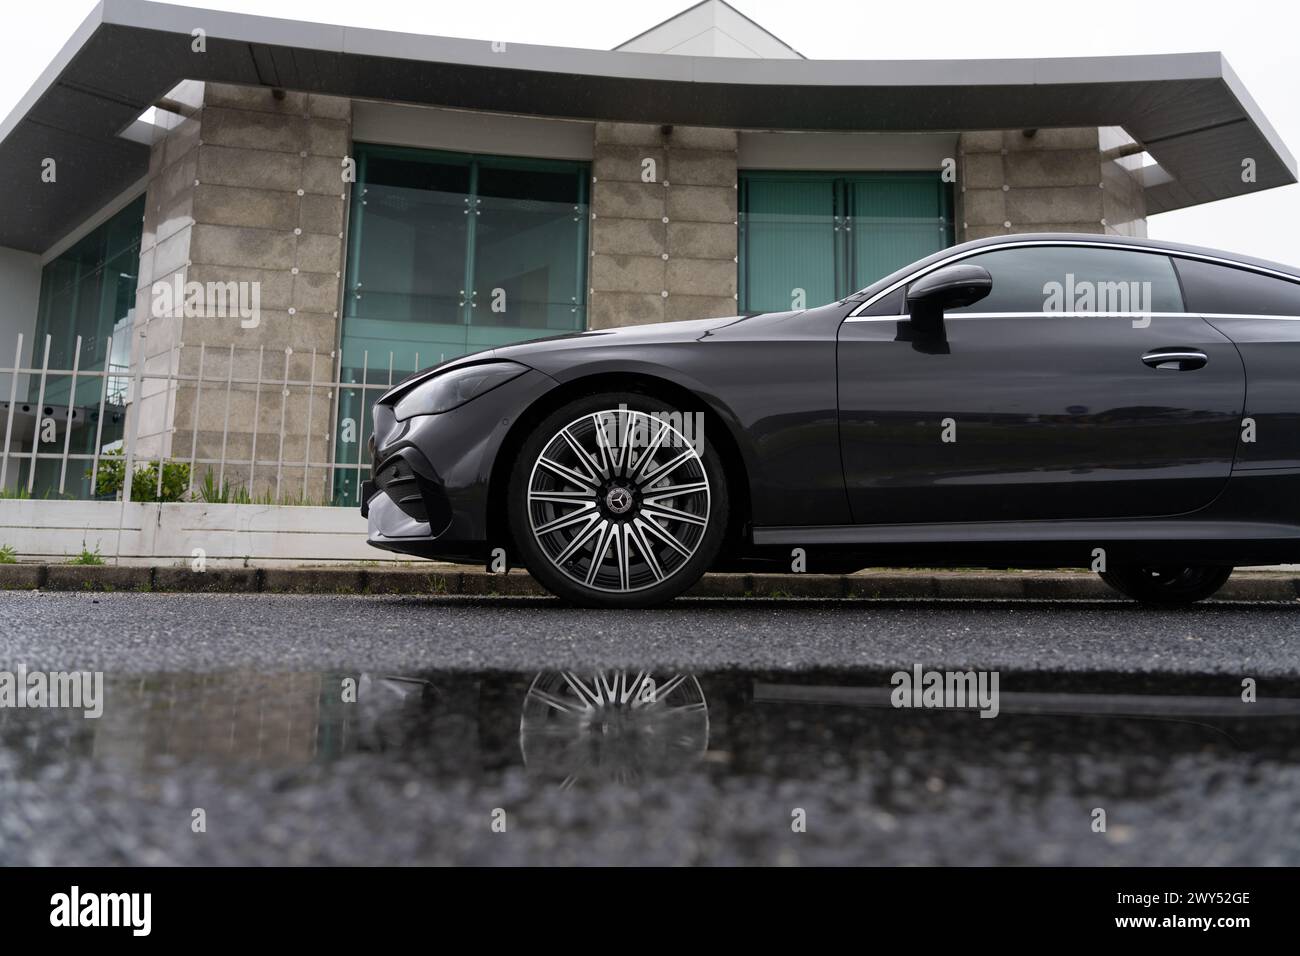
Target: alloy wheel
x,y
618,500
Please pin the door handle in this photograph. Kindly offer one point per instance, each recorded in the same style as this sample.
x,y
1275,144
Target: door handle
x,y
1180,360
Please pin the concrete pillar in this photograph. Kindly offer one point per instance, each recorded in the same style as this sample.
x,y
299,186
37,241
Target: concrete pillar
x,y
1055,180
247,188
663,230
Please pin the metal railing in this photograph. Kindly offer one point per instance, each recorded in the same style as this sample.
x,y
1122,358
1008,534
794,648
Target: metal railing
x,y
271,476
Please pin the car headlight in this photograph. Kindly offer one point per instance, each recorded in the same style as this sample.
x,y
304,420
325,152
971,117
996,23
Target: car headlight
x,y
452,389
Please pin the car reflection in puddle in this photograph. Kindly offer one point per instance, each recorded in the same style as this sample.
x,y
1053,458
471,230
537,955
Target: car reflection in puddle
x,y
612,725
651,766
576,728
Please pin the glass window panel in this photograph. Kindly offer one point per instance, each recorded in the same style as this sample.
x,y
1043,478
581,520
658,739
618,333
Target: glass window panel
x,y
788,241
896,218
529,247
830,233
89,290
1023,280
449,254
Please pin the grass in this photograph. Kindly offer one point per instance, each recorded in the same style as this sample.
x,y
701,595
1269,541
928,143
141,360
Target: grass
x,y
8,555
219,493
20,493
88,557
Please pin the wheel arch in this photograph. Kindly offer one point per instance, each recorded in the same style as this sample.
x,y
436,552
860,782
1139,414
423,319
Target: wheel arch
x,y
718,431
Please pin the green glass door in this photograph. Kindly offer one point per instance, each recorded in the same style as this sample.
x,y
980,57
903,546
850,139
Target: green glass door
x,y
452,253
808,238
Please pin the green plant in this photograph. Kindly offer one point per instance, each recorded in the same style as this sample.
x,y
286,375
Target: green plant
x,y
88,557
214,493
144,479
175,482
8,555
20,492
220,493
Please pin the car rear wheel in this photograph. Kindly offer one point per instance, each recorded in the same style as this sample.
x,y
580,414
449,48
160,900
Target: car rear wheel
x,y
613,504
1167,585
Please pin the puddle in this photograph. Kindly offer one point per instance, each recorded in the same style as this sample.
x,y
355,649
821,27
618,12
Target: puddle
x,y
572,728
647,767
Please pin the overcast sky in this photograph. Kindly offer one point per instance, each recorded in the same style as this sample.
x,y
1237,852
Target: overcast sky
x,y
1259,39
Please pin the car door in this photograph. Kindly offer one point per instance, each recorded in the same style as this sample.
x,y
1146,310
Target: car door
x,y
1261,314
1040,405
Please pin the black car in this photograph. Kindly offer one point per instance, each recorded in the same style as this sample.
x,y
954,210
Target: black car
x,y
1118,404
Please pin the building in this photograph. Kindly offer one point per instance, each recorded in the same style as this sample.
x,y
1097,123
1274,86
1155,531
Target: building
x,y
354,204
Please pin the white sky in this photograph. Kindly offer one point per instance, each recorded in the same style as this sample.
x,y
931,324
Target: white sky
x,y
1259,39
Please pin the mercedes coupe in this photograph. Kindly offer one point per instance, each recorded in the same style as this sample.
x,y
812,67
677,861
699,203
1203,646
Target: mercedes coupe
x,y
1122,405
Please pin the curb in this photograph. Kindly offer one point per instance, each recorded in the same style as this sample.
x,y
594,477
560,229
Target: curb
x,y
897,585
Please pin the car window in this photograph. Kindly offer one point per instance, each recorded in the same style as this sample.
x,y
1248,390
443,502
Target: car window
x,y
1223,290
1077,279
892,304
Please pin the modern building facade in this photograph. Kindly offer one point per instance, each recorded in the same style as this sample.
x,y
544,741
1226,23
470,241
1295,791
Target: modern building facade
x,y
366,203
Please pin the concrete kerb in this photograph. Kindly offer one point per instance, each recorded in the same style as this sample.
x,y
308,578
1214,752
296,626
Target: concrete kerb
x,y
449,580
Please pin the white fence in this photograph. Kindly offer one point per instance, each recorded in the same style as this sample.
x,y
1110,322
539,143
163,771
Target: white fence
x,y
148,533
263,473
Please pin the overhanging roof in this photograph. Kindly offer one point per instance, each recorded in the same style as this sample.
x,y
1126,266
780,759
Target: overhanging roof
x,y
1188,110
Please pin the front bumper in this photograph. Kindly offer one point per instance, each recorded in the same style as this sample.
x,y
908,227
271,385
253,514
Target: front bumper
x,y
429,488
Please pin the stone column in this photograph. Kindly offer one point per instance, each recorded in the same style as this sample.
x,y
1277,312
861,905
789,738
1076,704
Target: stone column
x,y
247,189
1053,180
663,236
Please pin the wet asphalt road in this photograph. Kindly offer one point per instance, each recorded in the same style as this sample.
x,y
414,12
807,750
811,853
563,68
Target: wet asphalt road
x,y
467,744
195,632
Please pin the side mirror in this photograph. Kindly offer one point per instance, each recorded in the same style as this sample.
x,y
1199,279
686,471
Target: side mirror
x,y
951,287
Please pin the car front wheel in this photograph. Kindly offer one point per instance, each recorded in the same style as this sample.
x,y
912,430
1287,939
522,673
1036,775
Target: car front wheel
x,y
614,501
1169,586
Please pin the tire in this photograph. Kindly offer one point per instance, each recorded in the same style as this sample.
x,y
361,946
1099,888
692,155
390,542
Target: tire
x,y
1167,586
562,509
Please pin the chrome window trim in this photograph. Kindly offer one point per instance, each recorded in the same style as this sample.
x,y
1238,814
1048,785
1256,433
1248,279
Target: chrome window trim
x,y
1091,315
1047,243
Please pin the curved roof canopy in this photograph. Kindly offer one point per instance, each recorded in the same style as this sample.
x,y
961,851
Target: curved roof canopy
x,y
1189,111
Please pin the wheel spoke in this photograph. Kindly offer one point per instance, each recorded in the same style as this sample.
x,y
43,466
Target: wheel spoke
x,y
647,552
585,693
649,452
551,700
602,545
666,537
573,517
563,497
626,438
673,683
597,525
581,454
676,491
670,466
630,690
607,683
568,474
620,553
672,514
603,447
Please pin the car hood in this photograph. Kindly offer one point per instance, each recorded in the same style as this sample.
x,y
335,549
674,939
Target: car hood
x,y
624,335
534,351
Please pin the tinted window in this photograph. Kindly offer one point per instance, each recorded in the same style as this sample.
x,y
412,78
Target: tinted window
x,y
1077,279
1224,290
892,304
